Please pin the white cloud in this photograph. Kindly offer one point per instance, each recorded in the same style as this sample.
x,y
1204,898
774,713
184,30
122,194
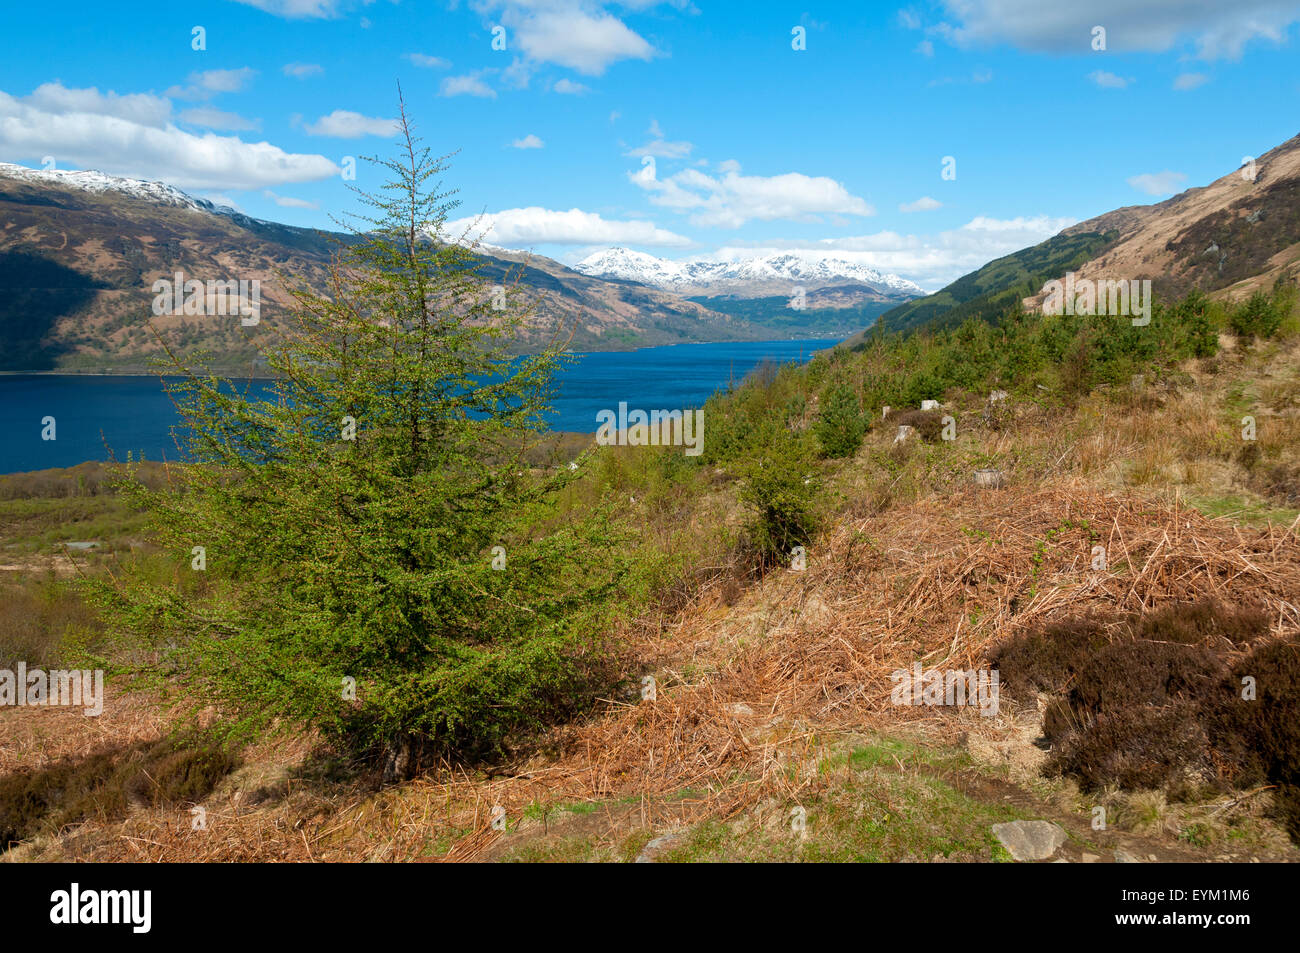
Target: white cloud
x,y
206,84
302,70
343,124
467,85
528,142
1217,29
218,199
143,108
296,9
1186,81
932,261
225,80
429,62
285,201
659,147
923,204
909,20
524,227
570,88
1157,183
925,48
1108,80
733,199
213,118
578,34
662,149
131,136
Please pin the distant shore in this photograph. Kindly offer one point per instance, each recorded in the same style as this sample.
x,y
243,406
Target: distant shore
x,y
138,371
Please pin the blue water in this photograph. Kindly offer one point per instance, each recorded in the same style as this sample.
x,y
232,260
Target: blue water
x,y
94,414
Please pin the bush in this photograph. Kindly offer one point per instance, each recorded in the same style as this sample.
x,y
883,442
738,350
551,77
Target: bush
x,y
927,423
1258,317
180,769
1199,337
1077,368
1132,748
1202,622
1150,700
840,426
780,489
1263,734
1048,659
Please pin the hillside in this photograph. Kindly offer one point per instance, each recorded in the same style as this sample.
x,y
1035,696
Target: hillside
x,y
1090,544
79,253
1227,239
1001,284
774,688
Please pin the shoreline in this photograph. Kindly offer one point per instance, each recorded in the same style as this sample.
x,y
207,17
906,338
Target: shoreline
x,y
131,371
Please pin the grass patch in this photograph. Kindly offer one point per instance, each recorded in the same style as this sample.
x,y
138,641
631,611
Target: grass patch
x,y
885,801
1243,510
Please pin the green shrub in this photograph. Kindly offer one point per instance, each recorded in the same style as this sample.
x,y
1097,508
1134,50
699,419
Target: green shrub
x,y
387,564
780,489
1258,317
840,426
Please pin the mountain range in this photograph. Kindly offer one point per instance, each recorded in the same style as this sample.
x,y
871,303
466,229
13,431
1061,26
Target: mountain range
x,y
775,274
79,252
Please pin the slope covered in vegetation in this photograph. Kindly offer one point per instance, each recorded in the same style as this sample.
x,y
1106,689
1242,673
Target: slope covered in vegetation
x,y
379,619
1001,284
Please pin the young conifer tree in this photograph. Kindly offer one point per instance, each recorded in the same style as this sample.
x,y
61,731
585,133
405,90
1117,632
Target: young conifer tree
x,y
350,520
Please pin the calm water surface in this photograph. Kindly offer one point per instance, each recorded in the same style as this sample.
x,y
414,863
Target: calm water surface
x,y
97,413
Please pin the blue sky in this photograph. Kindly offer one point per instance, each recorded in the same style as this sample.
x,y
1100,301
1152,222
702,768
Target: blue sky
x,y
755,146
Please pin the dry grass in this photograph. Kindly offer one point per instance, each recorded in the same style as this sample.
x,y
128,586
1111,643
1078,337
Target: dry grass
x,y
745,694
920,567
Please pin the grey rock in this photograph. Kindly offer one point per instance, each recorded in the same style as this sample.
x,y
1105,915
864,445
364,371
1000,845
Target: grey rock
x,y
657,844
1030,840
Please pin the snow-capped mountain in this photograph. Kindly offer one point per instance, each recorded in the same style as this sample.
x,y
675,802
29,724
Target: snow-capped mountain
x,y
99,182
771,274
93,245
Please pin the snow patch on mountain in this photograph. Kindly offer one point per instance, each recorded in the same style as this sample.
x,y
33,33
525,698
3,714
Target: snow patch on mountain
x,y
91,181
809,268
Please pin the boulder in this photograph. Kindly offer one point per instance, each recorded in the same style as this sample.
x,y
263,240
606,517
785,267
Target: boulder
x,y
1030,840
